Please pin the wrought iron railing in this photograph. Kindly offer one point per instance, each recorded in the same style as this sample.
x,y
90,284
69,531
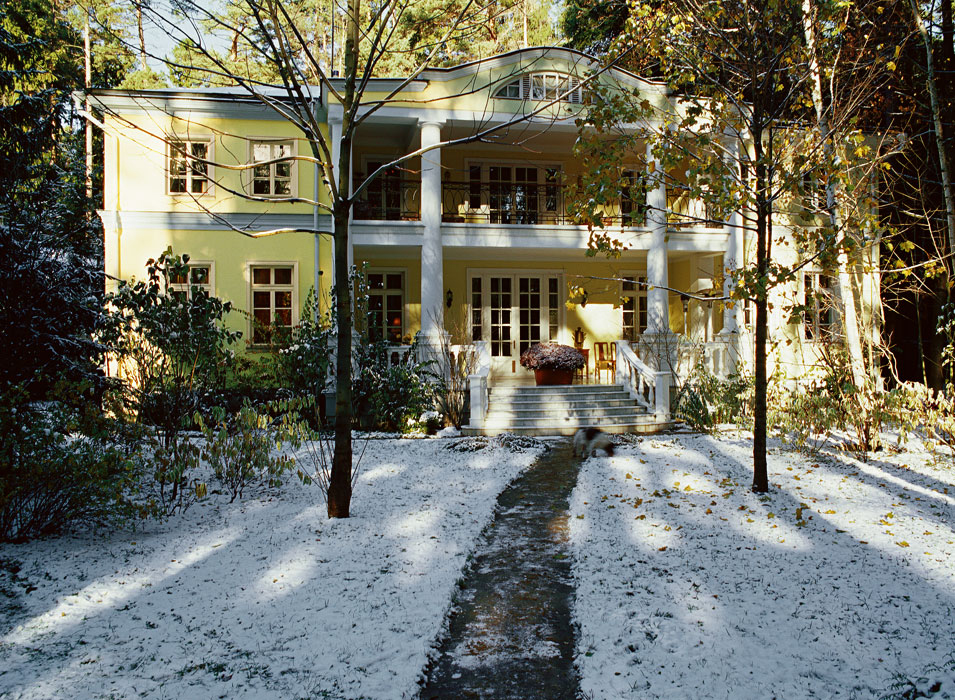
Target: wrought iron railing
x,y
389,199
398,199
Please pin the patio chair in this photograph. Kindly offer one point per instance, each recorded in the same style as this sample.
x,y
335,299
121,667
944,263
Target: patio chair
x,y
604,359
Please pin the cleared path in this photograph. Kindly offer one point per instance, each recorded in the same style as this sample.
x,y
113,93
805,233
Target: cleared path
x,y
511,634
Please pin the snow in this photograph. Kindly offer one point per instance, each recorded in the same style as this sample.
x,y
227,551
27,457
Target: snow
x,y
263,598
836,584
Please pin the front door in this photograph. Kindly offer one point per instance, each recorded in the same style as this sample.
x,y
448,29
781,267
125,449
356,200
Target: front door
x,y
512,312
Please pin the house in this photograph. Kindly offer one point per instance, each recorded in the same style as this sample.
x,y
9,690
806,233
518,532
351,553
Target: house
x,y
470,241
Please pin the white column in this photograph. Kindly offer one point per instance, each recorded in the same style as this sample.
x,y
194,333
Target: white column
x,y
658,314
432,254
733,255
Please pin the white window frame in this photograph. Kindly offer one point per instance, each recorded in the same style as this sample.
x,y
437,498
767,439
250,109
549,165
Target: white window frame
x,y
250,177
542,86
188,286
250,265
814,329
173,153
639,294
384,293
483,273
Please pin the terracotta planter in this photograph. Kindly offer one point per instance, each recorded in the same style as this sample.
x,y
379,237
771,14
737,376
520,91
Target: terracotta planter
x,y
553,377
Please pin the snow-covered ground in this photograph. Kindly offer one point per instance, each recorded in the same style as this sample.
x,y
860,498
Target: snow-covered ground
x,y
691,586
264,598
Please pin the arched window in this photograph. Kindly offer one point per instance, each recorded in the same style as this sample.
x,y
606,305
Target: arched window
x,y
543,86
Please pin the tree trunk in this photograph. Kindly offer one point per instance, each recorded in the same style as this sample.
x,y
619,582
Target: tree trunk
x,y
760,471
931,82
849,300
339,487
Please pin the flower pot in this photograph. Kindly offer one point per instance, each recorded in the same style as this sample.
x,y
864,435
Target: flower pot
x,y
553,377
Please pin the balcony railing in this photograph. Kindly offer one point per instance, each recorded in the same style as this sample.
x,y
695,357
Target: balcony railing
x,y
394,199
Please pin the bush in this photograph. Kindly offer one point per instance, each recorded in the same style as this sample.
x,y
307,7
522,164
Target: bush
x,y
59,466
386,395
171,347
239,447
705,400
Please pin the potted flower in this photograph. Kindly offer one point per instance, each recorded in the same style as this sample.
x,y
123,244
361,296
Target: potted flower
x,y
552,363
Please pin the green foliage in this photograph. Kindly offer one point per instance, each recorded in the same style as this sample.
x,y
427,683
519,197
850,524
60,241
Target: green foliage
x,y
304,364
170,347
171,458
388,393
705,400
60,465
239,448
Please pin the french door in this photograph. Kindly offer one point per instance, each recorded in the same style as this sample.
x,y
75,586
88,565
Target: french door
x,y
511,312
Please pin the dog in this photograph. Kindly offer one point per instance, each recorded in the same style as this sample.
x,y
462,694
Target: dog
x,y
588,440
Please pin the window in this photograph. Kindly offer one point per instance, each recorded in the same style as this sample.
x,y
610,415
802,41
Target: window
x,y
197,278
272,292
383,197
515,194
477,329
273,178
814,195
386,306
188,167
819,313
543,86
634,295
633,198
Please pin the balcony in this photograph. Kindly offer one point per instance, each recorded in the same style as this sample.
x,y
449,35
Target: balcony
x,y
399,199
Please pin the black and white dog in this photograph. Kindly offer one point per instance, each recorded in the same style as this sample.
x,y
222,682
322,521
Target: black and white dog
x,y
589,440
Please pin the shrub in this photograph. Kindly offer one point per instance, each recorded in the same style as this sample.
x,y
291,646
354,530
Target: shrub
x,y
59,466
552,356
171,347
386,393
706,400
239,448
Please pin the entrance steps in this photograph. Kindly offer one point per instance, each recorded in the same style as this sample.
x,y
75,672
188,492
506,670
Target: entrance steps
x,y
562,410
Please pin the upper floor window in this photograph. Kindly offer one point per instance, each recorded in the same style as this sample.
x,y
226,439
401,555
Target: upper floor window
x,y
198,277
543,86
819,318
188,167
633,198
273,178
515,194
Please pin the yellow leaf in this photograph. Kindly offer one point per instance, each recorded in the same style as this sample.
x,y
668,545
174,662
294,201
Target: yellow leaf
x,y
903,543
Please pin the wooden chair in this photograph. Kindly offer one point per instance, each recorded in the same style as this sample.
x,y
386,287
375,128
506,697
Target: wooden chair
x,y
604,359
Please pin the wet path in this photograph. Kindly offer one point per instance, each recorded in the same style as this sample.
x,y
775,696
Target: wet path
x,y
511,635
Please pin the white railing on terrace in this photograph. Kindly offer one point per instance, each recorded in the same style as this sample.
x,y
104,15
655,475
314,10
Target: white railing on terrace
x,y
718,357
649,387
478,383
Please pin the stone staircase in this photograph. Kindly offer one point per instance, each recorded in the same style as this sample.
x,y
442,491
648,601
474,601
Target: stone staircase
x,y
561,410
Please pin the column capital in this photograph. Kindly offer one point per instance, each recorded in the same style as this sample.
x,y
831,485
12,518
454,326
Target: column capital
x,y
424,121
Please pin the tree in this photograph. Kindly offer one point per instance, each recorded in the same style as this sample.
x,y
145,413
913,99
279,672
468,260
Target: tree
x,y
285,77
49,236
748,131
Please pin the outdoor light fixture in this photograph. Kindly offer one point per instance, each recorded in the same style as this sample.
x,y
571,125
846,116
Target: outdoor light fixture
x,y
685,298
448,298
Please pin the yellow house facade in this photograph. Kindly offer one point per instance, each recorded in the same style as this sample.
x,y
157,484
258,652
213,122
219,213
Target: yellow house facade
x,y
470,241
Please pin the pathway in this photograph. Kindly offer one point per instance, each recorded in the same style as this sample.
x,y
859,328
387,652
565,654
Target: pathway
x,y
511,634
